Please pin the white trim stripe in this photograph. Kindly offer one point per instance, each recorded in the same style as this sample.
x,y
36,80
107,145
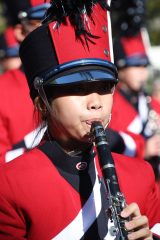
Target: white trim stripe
x,y
86,216
156,229
33,138
130,145
143,108
136,125
12,154
110,34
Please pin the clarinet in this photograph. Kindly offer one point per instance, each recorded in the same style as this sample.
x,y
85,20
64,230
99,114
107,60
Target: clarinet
x,y
114,196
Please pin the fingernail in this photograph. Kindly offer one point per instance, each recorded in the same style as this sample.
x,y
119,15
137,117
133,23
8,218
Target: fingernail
x,y
124,213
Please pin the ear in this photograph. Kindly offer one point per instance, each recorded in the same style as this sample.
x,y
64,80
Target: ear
x,y
19,32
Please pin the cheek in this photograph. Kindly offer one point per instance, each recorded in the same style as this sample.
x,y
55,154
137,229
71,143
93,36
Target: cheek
x,y
132,81
145,75
66,109
107,103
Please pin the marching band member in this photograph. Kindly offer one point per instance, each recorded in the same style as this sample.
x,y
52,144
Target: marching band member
x,y
17,125
56,190
131,60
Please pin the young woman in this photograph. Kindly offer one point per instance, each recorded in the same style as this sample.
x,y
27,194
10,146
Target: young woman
x,y
56,190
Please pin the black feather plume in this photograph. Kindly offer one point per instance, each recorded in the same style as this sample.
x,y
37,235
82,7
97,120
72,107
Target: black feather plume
x,y
77,11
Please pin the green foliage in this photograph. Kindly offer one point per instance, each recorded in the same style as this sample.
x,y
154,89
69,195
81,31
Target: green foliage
x,y
153,21
153,8
2,19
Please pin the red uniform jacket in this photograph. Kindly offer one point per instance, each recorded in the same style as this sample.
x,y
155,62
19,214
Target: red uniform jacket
x,y
53,196
126,118
16,114
155,105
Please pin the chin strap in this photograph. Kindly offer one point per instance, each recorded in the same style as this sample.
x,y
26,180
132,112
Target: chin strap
x,y
43,96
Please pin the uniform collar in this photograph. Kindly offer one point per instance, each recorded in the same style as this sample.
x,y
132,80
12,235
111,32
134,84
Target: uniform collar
x,y
74,164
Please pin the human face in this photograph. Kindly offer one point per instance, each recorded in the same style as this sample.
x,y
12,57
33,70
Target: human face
x,y
74,108
134,78
10,63
30,25
26,27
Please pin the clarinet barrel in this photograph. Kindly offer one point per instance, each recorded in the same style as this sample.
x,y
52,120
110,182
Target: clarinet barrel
x,y
116,199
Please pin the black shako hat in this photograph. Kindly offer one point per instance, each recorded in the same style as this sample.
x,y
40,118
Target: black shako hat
x,y
130,51
63,52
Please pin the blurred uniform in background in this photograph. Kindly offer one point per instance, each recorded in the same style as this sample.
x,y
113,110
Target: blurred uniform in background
x,y
127,18
156,94
9,50
17,125
155,114
132,61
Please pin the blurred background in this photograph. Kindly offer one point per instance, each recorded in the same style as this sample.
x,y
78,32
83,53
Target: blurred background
x,y
140,14
149,12
152,24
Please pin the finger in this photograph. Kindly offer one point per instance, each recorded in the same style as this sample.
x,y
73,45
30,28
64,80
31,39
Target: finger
x,y
137,222
143,233
131,209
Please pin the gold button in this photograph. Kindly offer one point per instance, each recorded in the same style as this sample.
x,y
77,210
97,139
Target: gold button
x,y
104,28
106,52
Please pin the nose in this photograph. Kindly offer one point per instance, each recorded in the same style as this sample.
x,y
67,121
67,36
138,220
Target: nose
x,y
94,101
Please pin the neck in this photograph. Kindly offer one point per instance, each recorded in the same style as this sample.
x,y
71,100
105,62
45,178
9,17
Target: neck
x,y
72,147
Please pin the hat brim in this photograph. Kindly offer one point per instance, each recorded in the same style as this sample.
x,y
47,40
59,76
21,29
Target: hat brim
x,y
133,61
80,71
35,13
139,60
82,76
12,52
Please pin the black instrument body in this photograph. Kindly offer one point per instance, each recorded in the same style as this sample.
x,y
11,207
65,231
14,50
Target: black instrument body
x,y
114,196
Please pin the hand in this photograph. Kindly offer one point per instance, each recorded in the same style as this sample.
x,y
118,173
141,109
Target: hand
x,y
138,224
